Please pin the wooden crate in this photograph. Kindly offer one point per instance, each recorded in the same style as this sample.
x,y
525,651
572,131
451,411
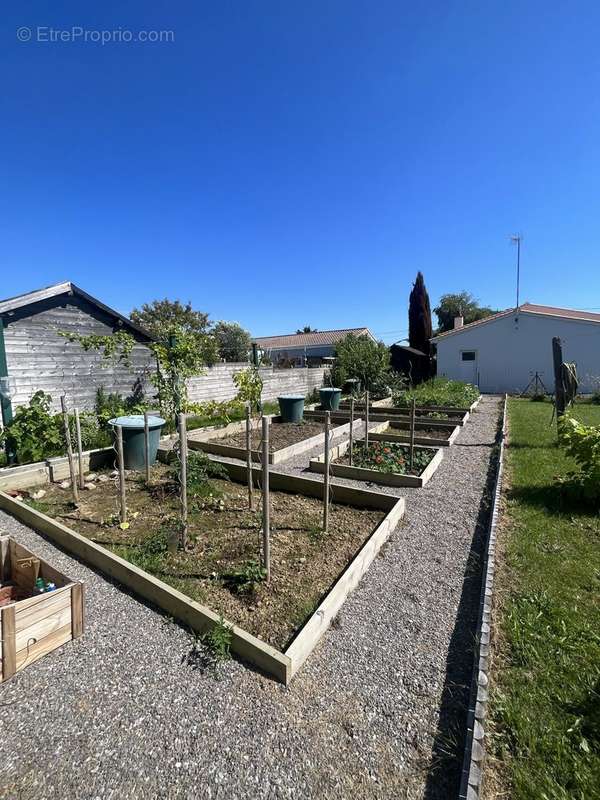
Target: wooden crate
x,y
34,625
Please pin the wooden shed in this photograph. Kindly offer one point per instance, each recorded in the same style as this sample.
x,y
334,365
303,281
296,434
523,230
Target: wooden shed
x,y
33,356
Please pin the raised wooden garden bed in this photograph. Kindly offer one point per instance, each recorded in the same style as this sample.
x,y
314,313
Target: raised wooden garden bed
x,y
423,413
287,439
274,626
26,476
34,624
394,431
339,454
421,423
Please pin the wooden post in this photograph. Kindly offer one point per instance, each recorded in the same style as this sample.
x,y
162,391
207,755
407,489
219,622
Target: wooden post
x,y
559,389
147,447
366,422
351,436
74,489
326,475
119,435
79,448
183,479
249,452
9,647
413,411
266,501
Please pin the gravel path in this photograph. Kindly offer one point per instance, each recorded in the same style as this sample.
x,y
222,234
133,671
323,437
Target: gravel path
x,y
120,713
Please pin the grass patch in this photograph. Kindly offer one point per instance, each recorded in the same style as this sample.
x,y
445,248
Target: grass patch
x,y
545,707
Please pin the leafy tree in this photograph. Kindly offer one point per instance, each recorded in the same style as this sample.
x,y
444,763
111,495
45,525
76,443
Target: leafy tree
x,y
360,357
164,318
306,329
233,341
463,305
419,316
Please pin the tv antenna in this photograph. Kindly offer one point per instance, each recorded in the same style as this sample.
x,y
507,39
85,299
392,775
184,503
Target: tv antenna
x,y
517,238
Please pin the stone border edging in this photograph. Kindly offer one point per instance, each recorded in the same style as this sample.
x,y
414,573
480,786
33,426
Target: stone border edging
x,y
472,770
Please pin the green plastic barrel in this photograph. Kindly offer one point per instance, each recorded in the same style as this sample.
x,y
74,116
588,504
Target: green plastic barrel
x,y
133,439
330,399
291,407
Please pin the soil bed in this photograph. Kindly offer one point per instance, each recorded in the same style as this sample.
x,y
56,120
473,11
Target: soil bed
x,y
388,457
281,434
222,561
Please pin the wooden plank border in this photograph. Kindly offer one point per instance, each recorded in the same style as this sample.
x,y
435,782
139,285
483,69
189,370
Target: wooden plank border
x,y
280,665
208,445
374,475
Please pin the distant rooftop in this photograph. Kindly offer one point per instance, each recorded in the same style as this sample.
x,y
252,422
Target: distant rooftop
x,y
292,340
529,308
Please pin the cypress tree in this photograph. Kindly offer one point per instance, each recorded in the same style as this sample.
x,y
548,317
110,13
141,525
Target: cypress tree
x,y
419,317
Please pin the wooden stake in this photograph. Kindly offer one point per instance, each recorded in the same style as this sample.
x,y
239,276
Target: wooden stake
x,y
559,389
63,403
351,442
119,435
366,421
411,456
265,494
249,452
79,448
183,478
326,475
147,447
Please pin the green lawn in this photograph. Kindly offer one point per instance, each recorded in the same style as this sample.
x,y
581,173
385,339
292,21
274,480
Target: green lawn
x,y
545,707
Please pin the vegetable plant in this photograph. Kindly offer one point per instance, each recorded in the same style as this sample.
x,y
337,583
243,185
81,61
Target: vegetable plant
x,y
34,433
390,457
438,392
582,442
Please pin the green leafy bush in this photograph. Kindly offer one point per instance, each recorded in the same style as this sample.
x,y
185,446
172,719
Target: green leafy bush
x,y
438,392
249,385
582,442
360,357
34,433
247,578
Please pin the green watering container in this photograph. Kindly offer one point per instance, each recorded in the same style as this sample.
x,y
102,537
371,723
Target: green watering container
x,y
291,407
330,399
133,439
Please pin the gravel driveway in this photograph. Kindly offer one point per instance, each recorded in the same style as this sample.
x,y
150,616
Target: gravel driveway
x,y
376,712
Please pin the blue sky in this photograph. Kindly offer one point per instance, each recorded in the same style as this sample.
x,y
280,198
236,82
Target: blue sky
x,y
283,164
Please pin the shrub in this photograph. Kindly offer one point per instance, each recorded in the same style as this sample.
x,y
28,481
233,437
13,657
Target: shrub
x,y
582,442
360,357
34,433
438,392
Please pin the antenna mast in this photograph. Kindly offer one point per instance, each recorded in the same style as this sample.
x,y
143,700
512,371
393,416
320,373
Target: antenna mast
x,y
517,238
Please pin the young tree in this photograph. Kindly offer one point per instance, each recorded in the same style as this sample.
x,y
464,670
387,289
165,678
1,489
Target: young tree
x,y
463,305
419,316
233,341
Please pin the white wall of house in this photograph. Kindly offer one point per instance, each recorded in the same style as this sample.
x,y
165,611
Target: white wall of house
x,y
503,355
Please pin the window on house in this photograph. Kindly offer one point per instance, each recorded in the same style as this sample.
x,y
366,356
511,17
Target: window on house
x,y
468,355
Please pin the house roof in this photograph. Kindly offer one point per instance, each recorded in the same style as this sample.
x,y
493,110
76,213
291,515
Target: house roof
x,y
291,341
527,308
68,288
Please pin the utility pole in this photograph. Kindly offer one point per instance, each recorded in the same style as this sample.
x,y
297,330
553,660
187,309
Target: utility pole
x,y
517,238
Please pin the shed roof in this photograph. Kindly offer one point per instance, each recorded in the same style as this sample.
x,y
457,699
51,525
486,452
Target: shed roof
x,y
293,340
527,308
68,288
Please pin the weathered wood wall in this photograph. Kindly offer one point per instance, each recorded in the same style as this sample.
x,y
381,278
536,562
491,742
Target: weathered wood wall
x,y
39,359
217,383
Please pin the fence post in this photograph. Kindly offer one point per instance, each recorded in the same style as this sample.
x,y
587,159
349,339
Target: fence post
x,y
413,411
249,452
79,448
266,501
351,442
147,447
63,403
559,389
366,421
326,476
119,435
183,479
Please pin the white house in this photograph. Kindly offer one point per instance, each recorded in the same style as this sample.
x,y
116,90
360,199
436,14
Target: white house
x,y
503,352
